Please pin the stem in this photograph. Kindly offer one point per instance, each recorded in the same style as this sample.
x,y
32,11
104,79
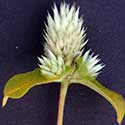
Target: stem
x,y
62,97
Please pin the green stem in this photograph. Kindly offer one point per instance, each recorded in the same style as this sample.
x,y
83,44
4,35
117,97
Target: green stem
x,y
62,97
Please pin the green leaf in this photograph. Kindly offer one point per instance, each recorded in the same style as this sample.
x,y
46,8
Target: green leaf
x,y
82,70
114,98
18,85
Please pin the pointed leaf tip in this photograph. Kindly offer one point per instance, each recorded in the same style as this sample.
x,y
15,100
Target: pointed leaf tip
x,y
5,99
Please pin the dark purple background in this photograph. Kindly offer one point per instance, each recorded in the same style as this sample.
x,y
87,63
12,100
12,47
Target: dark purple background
x,y
21,23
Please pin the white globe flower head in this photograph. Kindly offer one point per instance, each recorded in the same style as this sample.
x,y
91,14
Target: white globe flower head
x,y
65,39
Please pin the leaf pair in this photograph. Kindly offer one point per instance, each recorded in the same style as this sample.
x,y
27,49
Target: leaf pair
x,y
19,85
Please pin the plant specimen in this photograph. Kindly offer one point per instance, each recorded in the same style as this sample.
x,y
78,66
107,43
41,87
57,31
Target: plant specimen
x,y
63,62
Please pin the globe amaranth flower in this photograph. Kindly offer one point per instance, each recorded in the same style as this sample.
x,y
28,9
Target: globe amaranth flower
x,y
65,40
66,61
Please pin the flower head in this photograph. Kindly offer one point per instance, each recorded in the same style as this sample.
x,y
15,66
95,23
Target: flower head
x,y
92,63
65,40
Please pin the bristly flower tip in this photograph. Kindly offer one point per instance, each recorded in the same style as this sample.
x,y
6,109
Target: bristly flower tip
x,y
92,63
64,33
65,39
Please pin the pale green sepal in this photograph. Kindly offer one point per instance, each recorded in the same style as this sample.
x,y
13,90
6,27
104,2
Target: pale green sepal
x,y
81,69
